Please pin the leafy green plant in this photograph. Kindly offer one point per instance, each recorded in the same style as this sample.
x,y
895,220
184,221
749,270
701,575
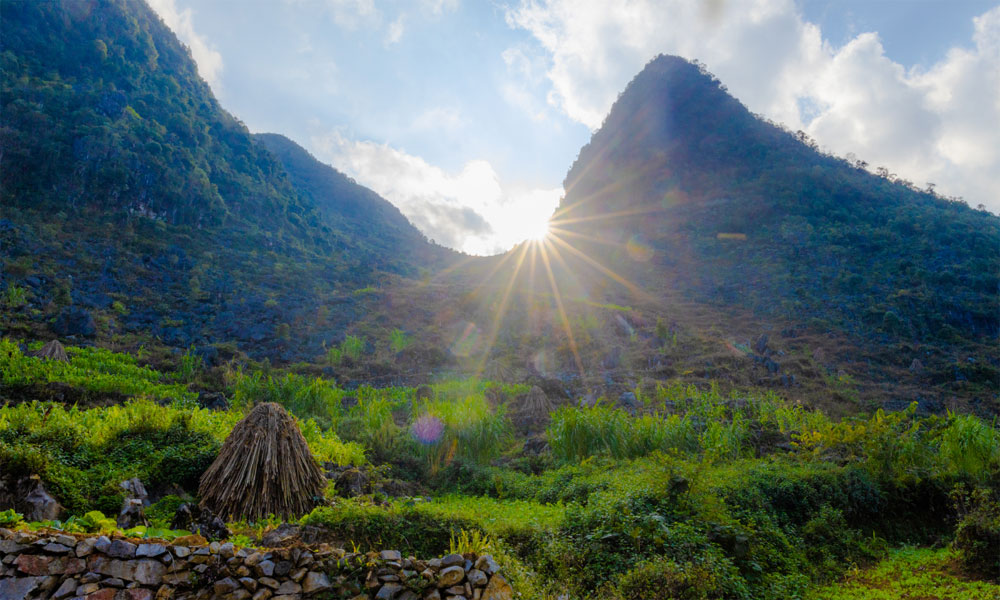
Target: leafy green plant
x,y
14,297
475,542
399,340
10,518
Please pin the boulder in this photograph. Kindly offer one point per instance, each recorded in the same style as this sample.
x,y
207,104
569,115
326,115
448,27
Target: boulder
x,y
29,497
352,483
201,520
131,514
213,400
282,535
73,321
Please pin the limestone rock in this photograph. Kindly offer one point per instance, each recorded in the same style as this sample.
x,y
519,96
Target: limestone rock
x,y
315,582
498,589
282,535
451,576
18,588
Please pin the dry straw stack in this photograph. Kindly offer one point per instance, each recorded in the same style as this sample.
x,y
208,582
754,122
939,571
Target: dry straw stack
x,y
53,351
263,468
531,412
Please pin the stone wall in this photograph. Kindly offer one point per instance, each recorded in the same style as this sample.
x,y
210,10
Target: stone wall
x,y
61,566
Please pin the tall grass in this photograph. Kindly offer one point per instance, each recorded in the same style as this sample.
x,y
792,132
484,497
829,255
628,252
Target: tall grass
x,y
470,430
576,433
898,446
305,397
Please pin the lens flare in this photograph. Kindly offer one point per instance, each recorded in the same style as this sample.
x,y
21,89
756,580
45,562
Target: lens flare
x,y
427,429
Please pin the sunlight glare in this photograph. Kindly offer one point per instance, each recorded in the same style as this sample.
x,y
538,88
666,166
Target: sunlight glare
x,y
536,232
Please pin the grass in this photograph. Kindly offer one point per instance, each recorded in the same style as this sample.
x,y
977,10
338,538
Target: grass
x,y
94,370
697,495
909,574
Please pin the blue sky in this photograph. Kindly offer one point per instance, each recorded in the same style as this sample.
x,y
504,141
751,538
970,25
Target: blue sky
x,y
452,108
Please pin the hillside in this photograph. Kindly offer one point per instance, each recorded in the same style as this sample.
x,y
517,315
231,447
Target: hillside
x,y
784,260
137,211
364,217
696,242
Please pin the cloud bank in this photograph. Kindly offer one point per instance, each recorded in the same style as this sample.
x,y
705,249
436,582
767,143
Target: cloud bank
x,y
936,124
471,210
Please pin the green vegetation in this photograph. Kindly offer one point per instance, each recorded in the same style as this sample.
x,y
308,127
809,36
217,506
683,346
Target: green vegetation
x,y
699,495
93,370
908,573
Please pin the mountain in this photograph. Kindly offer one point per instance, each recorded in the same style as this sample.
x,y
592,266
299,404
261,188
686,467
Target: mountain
x,y
690,197
137,211
696,243
369,220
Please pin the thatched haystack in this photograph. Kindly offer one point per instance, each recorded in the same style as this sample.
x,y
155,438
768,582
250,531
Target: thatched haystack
x,y
498,372
264,467
53,351
530,412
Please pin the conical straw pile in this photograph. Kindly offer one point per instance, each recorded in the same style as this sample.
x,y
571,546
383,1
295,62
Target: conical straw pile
x,y
264,467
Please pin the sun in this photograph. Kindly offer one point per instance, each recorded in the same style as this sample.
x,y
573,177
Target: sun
x,y
536,231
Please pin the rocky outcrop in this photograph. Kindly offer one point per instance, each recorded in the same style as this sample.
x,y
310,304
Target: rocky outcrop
x,y
27,495
66,567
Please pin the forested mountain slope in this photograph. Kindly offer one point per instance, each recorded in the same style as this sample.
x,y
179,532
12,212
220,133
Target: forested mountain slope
x,y
136,209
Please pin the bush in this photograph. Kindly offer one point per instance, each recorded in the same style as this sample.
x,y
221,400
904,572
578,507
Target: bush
x,y
977,536
665,579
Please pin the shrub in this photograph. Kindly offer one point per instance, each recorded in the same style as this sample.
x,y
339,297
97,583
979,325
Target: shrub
x,y
977,537
711,577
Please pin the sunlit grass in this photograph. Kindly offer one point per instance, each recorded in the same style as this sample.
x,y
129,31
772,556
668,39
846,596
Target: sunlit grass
x,y
914,573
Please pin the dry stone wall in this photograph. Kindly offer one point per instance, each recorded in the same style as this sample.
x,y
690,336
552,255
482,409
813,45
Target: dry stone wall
x,y
64,567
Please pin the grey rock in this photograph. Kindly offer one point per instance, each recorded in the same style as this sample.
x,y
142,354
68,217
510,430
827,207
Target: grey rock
x,y
282,568
281,535
315,582
450,576
122,549
224,586
477,578
18,588
134,489
11,547
249,583
67,588
390,555
55,548
268,582
486,564
388,591
150,550
452,559
41,506
265,568
289,587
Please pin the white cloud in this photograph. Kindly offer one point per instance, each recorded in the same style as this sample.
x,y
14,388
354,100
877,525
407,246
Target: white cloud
x,y
349,14
396,29
439,7
937,124
209,60
470,210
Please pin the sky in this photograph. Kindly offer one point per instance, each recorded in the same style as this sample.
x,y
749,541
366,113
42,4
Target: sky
x,y
467,114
